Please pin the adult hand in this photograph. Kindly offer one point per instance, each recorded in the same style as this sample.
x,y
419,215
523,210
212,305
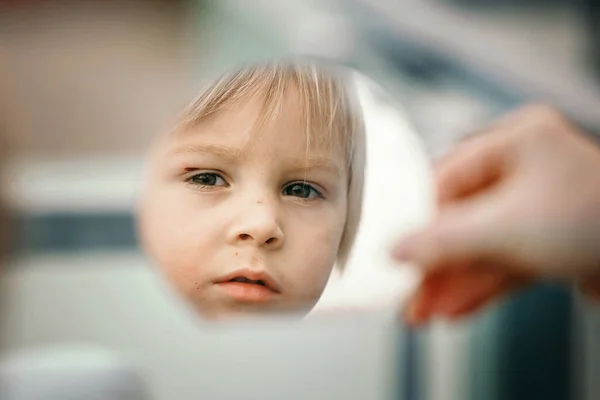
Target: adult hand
x,y
519,202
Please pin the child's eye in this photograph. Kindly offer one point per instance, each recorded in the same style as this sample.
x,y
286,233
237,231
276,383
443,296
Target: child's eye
x,y
302,190
207,179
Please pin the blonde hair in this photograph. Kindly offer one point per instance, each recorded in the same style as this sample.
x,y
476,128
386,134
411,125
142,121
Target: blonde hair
x,y
329,108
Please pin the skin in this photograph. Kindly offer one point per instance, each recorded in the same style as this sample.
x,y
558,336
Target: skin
x,y
518,203
221,197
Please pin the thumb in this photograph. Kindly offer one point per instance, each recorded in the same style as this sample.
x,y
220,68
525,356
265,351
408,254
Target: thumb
x,y
463,232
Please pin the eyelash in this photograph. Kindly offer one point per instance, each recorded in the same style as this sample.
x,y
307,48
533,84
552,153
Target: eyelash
x,y
310,187
304,185
190,180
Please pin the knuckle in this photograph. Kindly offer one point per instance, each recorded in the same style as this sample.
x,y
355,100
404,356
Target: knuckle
x,y
439,241
543,113
544,122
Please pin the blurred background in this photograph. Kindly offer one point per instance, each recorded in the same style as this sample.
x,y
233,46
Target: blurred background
x,y
85,86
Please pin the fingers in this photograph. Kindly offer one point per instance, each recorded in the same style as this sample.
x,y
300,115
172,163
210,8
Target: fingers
x,y
484,158
470,184
465,232
419,308
458,292
476,226
474,165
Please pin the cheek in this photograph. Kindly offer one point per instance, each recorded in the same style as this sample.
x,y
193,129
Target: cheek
x,y
315,250
176,234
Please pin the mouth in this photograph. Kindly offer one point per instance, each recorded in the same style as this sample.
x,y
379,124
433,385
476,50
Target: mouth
x,y
249,286
243,279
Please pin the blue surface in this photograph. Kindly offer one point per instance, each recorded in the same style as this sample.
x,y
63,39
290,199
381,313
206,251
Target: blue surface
x,y
535,334
409,360
74,232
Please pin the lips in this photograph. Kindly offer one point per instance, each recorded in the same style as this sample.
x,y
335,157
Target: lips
x,y
249,286
251,277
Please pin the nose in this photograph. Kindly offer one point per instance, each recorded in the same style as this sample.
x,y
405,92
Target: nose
x,y
258,226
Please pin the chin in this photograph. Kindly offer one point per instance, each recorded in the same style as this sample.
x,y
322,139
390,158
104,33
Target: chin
x,y
241,312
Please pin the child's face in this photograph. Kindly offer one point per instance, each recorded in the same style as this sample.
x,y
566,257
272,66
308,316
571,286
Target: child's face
x,y
224,203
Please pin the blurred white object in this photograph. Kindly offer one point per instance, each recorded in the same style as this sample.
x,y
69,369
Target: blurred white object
x,y
119,303
72,184
68,373
398,198
310,27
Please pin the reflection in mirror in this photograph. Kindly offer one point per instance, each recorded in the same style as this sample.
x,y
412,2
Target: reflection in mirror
x,y
252,202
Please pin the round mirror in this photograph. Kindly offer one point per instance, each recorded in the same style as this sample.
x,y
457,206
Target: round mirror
x,y
279,190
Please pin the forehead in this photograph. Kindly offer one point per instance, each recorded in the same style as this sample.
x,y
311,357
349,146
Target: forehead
x,y
247,126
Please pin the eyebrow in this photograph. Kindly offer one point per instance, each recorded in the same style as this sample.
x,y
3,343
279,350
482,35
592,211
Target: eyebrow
x,y
227,153
314,162
235,155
